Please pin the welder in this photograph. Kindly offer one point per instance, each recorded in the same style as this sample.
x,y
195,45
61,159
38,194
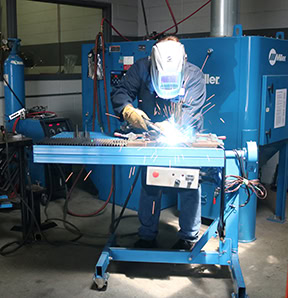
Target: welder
x,y
156,82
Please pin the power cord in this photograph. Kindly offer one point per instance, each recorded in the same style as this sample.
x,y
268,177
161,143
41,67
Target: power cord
x,y
253,186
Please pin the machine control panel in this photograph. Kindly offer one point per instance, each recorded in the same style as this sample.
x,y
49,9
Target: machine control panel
x,y
115,77
53,126
173,177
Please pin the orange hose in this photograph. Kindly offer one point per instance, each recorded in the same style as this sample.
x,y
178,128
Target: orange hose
x,y
102,207
15,124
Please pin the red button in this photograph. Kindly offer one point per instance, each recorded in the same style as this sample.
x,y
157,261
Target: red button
x,y
155,174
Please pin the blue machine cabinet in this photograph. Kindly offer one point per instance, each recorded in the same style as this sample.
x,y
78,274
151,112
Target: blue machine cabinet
x,y
241,71
194,157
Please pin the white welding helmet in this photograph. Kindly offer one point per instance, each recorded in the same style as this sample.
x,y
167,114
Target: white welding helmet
x,y
167,68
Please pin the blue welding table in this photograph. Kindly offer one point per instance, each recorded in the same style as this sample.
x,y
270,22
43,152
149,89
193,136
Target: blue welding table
x,y
141,156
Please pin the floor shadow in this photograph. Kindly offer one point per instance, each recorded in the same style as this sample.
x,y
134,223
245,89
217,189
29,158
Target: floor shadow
x,y
165,271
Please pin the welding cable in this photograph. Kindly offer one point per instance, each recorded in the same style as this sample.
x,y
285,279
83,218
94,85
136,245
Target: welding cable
x,y
145,18
105,82
95,91
127,200
3,249
30,232
235,182
113,202
112,187
97,212
173,17
221,223
50,190
31,115
15,124
124,217
159,34
109,23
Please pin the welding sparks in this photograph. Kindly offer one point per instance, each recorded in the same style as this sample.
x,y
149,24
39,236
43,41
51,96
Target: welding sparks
x,y
69,177
133,171
209,109
209,103
120,148
159,110
210,97
130,173
107,114
172,134
87,175
222,120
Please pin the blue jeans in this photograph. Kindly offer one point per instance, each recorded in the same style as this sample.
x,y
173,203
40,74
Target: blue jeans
x,y
150,207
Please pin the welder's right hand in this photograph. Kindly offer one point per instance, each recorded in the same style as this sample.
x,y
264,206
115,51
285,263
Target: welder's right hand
x,y
135,117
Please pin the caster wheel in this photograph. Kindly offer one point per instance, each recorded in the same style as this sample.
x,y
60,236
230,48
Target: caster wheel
x,y
100,284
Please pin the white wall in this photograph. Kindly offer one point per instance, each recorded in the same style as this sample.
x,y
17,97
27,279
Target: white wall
x,y
69,106
3,21
159,19
262,14
38,24
253,14
124,16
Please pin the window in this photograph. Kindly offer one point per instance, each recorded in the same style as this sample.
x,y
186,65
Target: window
x,y
3,22
51,35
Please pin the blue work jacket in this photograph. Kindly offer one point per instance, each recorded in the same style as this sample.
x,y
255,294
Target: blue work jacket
x,y
137,85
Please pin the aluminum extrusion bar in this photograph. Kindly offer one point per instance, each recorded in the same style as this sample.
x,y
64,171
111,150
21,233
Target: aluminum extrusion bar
x,y
144,156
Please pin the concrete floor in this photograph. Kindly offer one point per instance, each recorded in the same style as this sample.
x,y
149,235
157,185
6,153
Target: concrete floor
x,y
44,270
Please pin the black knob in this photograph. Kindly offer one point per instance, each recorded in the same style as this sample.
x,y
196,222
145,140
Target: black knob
x,y
52,131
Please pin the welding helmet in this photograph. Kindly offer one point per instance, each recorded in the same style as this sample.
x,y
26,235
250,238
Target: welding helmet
x,y
167,68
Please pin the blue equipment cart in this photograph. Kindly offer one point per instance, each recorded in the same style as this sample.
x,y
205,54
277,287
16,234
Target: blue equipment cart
x,y
225,224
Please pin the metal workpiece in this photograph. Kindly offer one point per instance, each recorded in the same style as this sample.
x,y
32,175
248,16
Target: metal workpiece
x,y
83,142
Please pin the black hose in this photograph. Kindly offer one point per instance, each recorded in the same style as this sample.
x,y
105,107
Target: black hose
x,y
145,18
127,200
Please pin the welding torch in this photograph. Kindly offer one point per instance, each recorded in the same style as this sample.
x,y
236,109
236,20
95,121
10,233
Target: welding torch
x,y
151,125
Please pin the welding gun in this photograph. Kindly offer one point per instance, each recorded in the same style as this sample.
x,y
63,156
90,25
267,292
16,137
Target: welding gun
x,y
151,125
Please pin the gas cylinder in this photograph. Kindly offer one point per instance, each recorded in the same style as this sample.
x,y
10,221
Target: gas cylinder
x,y
13,82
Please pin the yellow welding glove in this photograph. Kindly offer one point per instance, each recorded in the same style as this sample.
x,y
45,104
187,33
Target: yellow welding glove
x,y
135,117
